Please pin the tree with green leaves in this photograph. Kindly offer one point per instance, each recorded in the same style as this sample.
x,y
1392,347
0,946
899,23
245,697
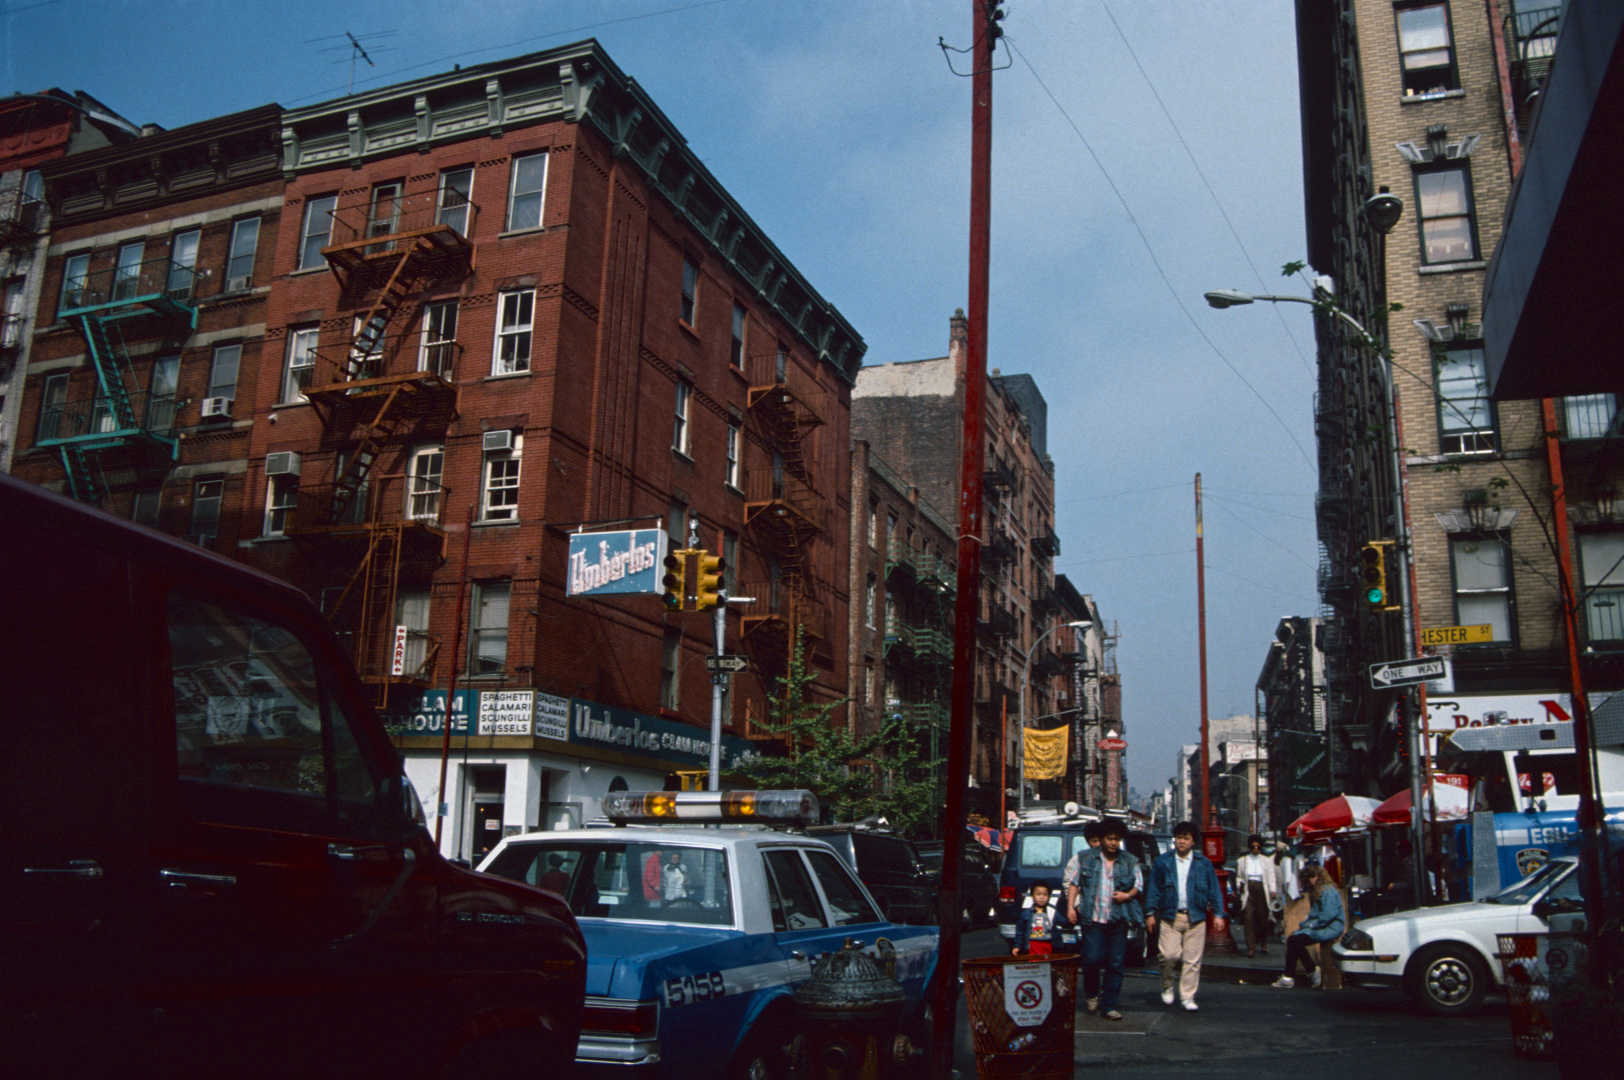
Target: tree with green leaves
x,y
883,775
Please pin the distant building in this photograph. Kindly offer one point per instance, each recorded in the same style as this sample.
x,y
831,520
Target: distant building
x,y
1291,688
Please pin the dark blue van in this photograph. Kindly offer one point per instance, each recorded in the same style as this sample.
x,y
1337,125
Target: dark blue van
x,y
1039,851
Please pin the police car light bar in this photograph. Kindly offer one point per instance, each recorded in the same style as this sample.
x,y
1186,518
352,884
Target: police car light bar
x,y
710,807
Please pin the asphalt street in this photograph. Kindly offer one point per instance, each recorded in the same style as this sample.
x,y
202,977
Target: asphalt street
x,y
1257,1031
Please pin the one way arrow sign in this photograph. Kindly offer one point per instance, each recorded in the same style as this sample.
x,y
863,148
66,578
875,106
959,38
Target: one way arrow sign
x,y
1408,672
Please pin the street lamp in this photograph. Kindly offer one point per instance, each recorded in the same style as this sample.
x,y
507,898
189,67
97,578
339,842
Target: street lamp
x,y
1026,675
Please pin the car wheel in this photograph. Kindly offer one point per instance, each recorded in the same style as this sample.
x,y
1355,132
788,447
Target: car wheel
x,y
1449,980
765,1055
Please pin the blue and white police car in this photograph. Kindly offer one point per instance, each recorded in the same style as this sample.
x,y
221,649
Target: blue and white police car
x,y
696,937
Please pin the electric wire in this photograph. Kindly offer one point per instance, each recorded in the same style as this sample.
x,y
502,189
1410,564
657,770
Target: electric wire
x,y
1207,184
1151,251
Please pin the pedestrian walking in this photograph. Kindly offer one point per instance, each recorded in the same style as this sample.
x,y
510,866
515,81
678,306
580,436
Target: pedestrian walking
x,y
1254,873
1104,887
1037,925
1324,922
1183,893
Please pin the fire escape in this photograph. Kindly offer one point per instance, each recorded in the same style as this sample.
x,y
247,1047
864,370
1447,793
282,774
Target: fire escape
x,y
784,512
112,298
385,387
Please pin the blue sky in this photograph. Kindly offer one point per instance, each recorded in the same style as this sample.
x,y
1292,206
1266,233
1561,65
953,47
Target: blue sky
x,y
839,127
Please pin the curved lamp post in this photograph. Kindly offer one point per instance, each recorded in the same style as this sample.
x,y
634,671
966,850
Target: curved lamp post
x,y
1026,676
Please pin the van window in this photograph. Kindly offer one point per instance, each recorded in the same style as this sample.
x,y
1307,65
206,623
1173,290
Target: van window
x,y
878,854
1044,852
258,740
794,905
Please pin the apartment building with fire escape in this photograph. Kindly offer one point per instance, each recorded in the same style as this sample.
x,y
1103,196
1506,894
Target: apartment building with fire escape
x,y
150,323
35,129
911,414
1430,101
904,577
510,305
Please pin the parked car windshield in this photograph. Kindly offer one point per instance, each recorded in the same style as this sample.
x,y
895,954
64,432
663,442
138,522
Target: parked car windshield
x,y
625,881
1529,887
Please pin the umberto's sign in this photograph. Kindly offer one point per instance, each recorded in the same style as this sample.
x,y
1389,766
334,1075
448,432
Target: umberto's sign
x,y
1445,714
620,729
608,563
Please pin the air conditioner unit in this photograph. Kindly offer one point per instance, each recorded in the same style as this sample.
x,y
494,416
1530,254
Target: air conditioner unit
x,y
498,440
217,406
237,284
286,463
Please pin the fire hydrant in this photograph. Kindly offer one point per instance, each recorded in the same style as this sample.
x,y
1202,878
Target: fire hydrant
x,y
848,1011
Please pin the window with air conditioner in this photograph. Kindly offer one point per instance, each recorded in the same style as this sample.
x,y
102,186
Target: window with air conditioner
x,y
514,314
281,500
223,372
240,256
499,497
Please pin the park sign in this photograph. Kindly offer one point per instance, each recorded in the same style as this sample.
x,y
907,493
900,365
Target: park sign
x,y
614,563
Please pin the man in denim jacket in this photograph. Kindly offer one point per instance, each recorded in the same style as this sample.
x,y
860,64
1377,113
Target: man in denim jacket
x,y
1183,892
1103,887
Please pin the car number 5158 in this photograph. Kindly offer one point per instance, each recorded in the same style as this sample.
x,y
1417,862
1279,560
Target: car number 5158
x,y
688,989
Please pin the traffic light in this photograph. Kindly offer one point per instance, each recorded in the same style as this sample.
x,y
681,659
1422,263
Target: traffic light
x,y
1373,576
675,580
708,583
995,21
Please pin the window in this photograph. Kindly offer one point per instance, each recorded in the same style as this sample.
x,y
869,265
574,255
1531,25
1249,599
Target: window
x,y
1589,416
1465,413
439,339
868,602
1482,583
736,352
366,347
1447,230
145,506
53,400
499,501
677,524
260,740
383,216
1601,561
488,628
182,267
206,496
730,563
412,612
847,903
679,432
690,287
456,188
793,902
301,362
318,226
33,186
75,277
873,524
515,311
670,666
223,372
525,198
161,395
240,257
733,455
127,273
890,527
281,499
1426,59
423,483
11,314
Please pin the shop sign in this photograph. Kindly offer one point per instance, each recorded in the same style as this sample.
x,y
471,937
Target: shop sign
x,y
552,717
506,712
428,717
620,729
610,563
1469,711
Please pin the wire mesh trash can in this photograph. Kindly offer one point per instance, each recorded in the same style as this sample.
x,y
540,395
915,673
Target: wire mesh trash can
x,y
1023,1014
1528,985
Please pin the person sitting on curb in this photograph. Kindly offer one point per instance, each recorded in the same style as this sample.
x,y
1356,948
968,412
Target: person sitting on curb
x,y
1183,892
1324,923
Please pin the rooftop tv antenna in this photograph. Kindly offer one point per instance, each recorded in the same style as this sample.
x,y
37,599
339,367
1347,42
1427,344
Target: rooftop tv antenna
x,y
356,50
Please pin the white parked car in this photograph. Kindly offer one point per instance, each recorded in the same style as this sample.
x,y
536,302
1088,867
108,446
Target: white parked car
x,y
1446,957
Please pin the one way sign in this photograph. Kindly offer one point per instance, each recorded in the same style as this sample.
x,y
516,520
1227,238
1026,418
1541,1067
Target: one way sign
x,y
1420,669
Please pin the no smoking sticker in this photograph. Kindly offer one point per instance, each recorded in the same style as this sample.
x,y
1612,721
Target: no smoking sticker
x,y
1027,993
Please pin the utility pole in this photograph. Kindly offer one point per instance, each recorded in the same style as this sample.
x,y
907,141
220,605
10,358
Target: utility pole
x,y
985,28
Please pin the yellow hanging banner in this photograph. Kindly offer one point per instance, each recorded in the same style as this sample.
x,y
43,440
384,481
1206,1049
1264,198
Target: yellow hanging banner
x,y
1046,753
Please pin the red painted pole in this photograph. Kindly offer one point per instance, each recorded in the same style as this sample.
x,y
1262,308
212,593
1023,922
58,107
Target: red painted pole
x,y
972,460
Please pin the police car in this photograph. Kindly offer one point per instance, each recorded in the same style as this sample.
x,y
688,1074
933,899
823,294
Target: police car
x,y
696,937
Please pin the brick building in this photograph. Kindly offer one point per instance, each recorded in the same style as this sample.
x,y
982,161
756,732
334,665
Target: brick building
x,y
34,129
150,323
510,304
900,625
911,414
1429,101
